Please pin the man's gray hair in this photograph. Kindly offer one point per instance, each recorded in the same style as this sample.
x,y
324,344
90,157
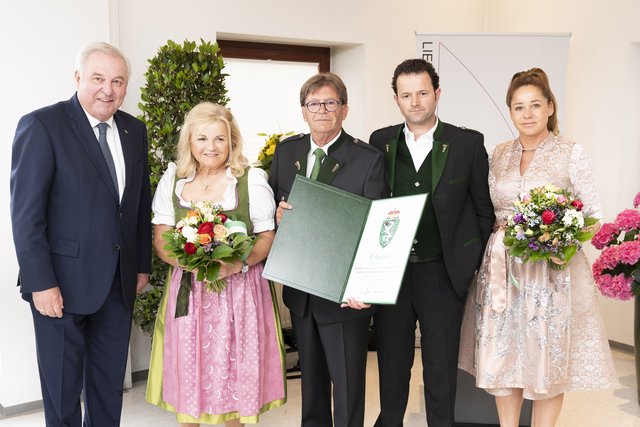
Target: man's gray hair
x,y
87,50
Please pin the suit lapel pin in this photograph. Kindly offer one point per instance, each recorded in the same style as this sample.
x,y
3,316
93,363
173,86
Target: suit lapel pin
x,y
297,164
335,168
444,147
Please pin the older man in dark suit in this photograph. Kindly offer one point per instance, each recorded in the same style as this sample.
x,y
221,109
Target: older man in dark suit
x,y
80,210
332,340
426,155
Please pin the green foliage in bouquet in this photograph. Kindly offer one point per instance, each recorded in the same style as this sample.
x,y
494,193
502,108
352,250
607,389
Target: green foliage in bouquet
x,y
204,237
266,154
178,77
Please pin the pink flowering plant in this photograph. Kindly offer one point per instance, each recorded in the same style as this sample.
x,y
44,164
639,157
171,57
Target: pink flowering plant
x,y
548,224
617,269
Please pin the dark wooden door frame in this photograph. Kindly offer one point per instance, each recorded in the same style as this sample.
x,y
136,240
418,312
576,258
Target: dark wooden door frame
x,y
277,52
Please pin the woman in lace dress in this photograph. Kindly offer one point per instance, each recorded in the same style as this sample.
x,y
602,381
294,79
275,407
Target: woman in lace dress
x,y
545,337
222,362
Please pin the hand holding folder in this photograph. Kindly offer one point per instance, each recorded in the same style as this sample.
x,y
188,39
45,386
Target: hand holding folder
x,y
336,245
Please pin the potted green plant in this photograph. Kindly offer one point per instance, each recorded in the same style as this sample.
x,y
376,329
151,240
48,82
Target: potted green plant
x,y
178,77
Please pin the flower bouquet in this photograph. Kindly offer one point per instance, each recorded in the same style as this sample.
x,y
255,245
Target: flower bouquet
x,y
617,269
200,241
266,154
548,224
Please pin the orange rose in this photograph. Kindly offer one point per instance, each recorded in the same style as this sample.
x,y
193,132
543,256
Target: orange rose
x,y
204,239
192,217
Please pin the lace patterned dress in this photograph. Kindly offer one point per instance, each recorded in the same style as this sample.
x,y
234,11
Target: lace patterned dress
x,y
546,337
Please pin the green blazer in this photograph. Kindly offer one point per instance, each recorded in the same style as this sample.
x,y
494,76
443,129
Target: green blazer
x,y
460,194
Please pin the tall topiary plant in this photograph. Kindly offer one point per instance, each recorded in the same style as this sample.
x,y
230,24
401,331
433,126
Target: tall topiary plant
x,y
178,78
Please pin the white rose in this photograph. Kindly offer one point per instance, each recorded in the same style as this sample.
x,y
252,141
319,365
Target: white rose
x,y
190,233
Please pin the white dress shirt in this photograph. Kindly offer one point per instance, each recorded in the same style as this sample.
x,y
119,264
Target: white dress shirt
x,y
419,149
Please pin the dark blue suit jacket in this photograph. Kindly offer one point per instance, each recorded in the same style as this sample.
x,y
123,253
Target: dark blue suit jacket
x,y
69,228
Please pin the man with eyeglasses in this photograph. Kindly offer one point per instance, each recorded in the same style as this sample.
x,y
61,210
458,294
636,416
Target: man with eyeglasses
x,y
426,155
331,339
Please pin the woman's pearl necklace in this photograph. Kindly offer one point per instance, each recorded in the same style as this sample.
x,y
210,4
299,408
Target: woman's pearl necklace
x,y
531,148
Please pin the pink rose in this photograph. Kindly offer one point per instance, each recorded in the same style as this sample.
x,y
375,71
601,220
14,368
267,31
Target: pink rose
x,y
577,204
548,217
220,233
561,199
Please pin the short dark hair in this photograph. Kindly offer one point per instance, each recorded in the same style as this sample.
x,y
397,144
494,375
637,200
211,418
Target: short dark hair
x,y
538,78
321,80
415,66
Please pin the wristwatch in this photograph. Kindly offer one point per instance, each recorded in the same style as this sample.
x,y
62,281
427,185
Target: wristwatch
x,y
245,267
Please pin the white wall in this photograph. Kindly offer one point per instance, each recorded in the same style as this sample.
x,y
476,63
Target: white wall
x,y
39,39
369,37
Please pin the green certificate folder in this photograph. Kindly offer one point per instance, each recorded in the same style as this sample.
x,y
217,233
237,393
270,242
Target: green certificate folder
x,y
335,244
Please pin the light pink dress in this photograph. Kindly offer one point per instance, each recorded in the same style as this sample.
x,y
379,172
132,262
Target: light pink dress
x,y
224,356
547,336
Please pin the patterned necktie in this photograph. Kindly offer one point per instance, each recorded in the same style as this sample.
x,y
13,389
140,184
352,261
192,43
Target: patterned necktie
x,y
319,152
102,141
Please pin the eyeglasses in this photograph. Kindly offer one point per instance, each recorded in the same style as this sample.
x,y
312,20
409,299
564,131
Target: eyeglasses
x,y
330,105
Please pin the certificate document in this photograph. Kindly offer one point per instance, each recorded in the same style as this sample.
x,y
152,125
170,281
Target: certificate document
x,y
337,245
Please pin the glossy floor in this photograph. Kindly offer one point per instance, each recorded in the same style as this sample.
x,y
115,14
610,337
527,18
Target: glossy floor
x,y
616,407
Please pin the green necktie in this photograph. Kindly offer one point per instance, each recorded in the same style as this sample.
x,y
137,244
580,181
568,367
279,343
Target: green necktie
x,y
319,152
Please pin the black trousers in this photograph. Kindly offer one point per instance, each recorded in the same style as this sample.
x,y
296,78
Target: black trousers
x,y
332,354
427,296
87,353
